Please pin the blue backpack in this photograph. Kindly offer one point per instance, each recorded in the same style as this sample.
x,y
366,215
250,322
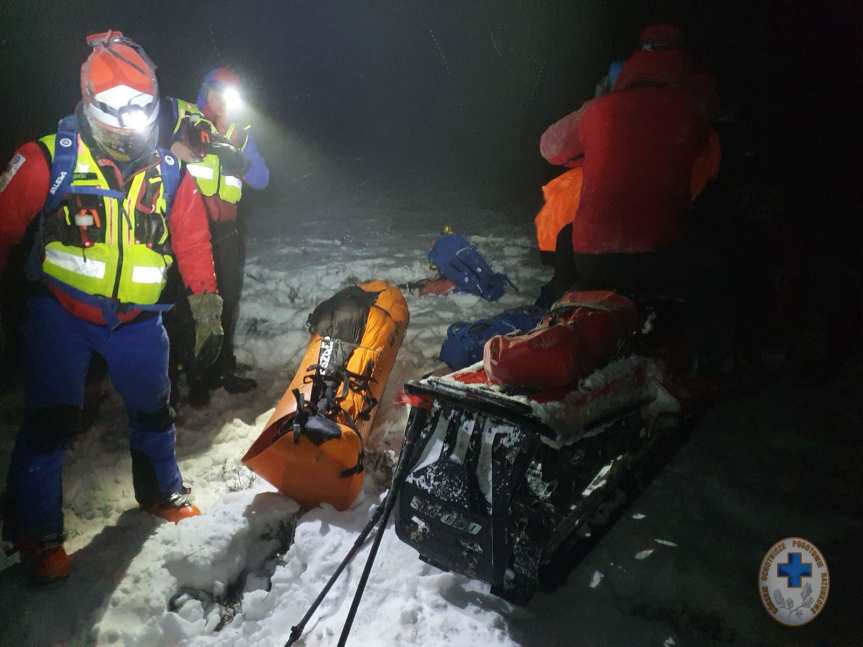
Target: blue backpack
x,y
465,341
460,262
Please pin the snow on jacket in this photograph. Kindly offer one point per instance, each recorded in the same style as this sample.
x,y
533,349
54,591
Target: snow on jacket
x,y
640,146
24,189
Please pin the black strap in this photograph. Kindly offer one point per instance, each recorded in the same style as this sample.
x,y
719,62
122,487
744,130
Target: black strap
x,y
356,469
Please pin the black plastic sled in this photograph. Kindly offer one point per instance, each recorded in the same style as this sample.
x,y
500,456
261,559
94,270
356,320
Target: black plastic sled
x,y
513,491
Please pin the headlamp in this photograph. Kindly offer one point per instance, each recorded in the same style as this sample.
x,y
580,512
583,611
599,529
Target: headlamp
x,y
135,119
233,99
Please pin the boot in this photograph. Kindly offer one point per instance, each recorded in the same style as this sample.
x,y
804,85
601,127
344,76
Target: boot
x,y
237,384
199,394
45,562
175,507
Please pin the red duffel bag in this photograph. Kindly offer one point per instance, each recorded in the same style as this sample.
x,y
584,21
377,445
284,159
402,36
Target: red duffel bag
x,y
582,331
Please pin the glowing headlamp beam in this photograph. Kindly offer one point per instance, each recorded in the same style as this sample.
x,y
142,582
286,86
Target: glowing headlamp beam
x,y
135,119
233,99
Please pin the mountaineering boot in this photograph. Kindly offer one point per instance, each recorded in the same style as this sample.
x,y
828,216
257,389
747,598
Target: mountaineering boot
x,y
199,394
45,562
175,507
237,384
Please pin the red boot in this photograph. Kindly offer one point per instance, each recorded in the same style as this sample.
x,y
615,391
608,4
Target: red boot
x,y
45,562
175,508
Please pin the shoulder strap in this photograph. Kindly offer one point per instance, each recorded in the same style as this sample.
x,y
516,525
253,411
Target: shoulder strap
x,y
169,168
63,162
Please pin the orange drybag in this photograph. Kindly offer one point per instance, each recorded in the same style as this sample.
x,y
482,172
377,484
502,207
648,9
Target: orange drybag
x,y
312,446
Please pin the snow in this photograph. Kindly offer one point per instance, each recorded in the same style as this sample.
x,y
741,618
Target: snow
x,y
224,579
140,582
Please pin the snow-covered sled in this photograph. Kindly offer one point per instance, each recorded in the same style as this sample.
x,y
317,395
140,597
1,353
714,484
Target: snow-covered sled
x,y
511,489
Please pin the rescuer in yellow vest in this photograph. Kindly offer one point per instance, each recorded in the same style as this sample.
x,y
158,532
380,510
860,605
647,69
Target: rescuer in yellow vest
x,y
111,212
223,157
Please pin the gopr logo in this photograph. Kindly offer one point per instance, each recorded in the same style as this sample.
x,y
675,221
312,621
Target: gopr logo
x,y
794,582
65,142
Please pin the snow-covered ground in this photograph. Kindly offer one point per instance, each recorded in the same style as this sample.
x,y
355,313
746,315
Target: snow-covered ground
x,y
678,569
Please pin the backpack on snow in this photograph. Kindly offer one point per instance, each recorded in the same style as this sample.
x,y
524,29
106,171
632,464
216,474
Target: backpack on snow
x,y
460,262
464,341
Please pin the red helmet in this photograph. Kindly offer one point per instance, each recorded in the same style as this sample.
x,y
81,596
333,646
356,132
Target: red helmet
x,y
661,36
120,95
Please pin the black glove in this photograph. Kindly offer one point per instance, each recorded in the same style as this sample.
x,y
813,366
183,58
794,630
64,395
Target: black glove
x,y
234,161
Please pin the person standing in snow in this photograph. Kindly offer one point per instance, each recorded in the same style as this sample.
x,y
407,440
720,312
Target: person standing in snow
x,y
112,212
641,144
222,156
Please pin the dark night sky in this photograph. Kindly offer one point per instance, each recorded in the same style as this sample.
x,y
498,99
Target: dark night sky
x,y
413,95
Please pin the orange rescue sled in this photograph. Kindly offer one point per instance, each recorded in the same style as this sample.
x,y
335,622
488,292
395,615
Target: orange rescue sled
x,y
312,446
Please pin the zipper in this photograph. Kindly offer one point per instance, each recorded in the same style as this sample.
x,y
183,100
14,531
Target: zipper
x,y
119,271
122,214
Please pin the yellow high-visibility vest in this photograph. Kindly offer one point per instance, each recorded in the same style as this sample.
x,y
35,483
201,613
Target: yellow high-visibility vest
x,y
109,244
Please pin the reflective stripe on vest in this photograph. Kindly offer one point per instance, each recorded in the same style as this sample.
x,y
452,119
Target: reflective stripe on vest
x,y
206,174
95,249
206,171
231,186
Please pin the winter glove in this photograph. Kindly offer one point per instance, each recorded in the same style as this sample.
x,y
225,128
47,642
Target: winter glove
x,y
234,162
207,314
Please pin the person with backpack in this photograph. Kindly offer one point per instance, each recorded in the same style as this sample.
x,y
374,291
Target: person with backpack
x,y
112,213
223,156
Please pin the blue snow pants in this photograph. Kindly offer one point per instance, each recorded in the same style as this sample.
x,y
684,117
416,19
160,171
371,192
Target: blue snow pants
x,y
57,351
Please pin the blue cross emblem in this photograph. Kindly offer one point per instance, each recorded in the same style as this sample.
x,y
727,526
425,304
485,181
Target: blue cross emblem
x,y
795,570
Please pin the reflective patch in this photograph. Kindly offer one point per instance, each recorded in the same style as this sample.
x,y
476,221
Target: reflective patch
x,y
74,263
233,181
149,275
201,171
15,163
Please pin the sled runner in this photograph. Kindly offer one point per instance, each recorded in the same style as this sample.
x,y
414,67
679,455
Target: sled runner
x,y
510,484
312,446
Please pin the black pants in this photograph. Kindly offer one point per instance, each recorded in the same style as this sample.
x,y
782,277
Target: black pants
x,y
229,256
565,273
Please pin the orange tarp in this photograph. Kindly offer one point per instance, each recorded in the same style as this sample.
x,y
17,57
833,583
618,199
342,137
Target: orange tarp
x,y
562,196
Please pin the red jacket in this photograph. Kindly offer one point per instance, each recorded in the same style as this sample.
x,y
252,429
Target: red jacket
x,y
640,144
24,189
660,67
